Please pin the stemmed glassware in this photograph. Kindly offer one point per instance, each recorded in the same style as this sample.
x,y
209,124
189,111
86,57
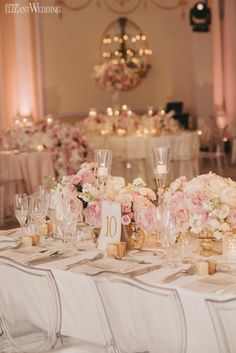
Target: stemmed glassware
x,y
160,166
169,229
103,159
21,209
38,206
66,218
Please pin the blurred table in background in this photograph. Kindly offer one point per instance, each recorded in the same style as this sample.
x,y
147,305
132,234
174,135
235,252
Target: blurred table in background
x,y
132,155
21,172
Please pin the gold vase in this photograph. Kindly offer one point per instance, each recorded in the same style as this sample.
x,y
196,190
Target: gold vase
x,y
133,236
206,244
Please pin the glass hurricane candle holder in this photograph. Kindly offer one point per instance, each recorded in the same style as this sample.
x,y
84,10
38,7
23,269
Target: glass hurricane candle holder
x,y
160,165
104,161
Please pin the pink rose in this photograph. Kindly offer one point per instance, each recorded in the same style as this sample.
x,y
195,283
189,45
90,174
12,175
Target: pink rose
x,y
145,218
198,198
75,179
92,214
232,218
126,208
125,220
87,177
181,214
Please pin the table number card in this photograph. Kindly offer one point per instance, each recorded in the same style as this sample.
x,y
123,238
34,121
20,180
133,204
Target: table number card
x,y
111,224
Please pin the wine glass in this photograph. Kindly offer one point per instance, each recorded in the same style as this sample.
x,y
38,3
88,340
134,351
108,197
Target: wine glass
x,y
38,206
104,161
21,209
169,228
160,166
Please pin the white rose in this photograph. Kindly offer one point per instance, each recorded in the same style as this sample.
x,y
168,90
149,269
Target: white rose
x,y
147,193
216,185
217,235
214,224
175,186
196,225
138,182
225,227
114,186
221,212
228,196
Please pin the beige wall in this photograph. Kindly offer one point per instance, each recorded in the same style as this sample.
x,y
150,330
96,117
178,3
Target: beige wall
x,y
70,49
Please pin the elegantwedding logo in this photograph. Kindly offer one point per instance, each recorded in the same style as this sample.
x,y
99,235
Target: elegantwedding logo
x,y
32,7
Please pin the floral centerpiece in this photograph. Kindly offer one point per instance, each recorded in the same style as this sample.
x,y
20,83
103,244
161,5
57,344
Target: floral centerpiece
x,y
136,199
68,147
204,206
125,123
161,124
165,124
118,76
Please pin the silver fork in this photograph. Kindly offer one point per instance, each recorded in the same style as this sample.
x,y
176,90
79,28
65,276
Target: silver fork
x,y
188,271
83,261
131,259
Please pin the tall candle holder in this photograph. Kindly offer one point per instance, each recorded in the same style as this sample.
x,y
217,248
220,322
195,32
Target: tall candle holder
x,y
103,159
160,167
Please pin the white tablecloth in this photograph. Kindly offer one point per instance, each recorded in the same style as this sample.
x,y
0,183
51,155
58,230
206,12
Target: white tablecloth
x,y
132,155
28,167
79,317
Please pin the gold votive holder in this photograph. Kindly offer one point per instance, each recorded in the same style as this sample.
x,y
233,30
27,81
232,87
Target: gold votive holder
x,y
122,248
205,267
27,241
116,249
35,239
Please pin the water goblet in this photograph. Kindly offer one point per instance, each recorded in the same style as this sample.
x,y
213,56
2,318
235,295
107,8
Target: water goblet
x,y
21,209
169,229
38,206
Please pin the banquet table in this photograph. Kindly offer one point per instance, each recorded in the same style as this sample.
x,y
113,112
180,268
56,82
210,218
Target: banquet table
x,y
78,299
27,168
132,155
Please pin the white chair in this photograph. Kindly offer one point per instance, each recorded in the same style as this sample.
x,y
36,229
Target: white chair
x,y
143,318
30,311
223,314
218,162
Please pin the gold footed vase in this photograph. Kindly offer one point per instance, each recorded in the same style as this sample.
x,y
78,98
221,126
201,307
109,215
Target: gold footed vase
x,y
133,236
206,244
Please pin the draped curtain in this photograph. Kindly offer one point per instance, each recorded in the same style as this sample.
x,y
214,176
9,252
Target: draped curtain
x,y
229,61
224,62
20,89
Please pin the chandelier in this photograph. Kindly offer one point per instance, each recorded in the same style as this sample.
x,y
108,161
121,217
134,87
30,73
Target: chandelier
x,y
125,56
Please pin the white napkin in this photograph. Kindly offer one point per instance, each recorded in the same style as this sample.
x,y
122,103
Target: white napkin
x,y
44,254
7,245
6,239
8,233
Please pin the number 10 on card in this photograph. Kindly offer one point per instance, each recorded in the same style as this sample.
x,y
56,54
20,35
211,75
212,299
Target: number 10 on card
x,y
111,224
